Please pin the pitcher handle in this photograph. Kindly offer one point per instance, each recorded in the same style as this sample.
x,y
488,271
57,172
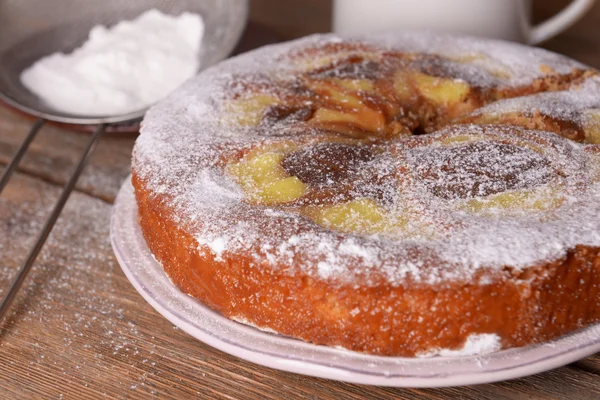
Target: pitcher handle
x,y
561,21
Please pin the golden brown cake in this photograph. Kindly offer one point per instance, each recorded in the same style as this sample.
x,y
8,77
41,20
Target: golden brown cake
x,y
394,194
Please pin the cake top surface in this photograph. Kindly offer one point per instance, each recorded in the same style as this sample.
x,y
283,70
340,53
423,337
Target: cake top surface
x,y
453,172
565,105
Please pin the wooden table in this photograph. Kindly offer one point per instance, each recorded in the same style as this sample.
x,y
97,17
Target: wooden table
x,y
79,330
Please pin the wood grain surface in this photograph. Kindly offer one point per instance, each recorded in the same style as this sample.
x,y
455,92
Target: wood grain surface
x,y
78,329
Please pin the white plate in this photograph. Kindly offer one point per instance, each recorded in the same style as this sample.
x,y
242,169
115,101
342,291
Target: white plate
x,y
293,355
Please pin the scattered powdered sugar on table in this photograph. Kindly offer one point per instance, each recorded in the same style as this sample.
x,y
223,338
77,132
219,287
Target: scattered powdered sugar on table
x,y
120,69
73,317
180,152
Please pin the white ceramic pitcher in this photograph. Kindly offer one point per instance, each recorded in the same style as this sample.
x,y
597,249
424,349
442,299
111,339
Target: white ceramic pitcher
x,y
501,19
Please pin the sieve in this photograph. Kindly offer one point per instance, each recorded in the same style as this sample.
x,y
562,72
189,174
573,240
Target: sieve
x,y
30,30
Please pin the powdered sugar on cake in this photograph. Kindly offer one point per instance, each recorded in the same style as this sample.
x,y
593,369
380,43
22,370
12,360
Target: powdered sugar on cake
x,y
476,344
567,105
185,138
490,62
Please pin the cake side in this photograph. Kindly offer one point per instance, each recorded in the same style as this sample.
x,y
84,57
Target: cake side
x,y
545,302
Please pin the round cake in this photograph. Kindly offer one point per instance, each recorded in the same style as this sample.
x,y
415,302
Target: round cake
x,y
392,194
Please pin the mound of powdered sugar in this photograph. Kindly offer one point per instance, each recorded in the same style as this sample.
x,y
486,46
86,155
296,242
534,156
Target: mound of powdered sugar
x,y
120,69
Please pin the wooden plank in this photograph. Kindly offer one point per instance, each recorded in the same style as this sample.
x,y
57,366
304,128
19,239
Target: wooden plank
x,y
79,329
590,364
55,151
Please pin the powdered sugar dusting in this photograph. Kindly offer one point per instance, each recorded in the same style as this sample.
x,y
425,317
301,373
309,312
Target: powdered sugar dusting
x,y
476,344
567,105
73,318
490,61
187,139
